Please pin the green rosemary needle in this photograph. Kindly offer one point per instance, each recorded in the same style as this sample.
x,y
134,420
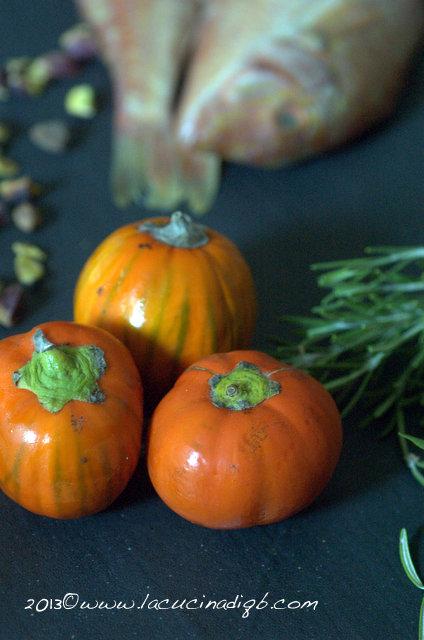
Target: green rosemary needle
x,y
365,340
411,572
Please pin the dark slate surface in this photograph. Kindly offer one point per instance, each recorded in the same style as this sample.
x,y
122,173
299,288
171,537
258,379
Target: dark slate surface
x,y
343,550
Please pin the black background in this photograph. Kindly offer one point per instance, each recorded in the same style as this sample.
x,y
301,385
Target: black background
x,y
343,550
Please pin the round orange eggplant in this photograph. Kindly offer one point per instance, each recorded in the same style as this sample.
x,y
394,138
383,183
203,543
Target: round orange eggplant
x,y
243,440
173,291
71,419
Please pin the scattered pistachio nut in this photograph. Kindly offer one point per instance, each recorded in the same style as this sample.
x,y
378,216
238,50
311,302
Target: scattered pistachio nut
x,y
17,64
26,217
15,69
29,263
28,271
78,42
52,135
37,77
54,65
8,167
59,64
80,101
29,251
10,303
19,189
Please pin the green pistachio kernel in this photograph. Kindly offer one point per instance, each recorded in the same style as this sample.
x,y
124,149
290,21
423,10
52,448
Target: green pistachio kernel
x,y
28,271
28,251
80,101
8,167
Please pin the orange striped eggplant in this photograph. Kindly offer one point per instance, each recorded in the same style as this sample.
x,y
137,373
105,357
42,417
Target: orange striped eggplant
x,y
71,419
173,291
242,440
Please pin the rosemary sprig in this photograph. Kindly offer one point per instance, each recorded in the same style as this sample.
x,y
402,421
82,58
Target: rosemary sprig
x,y
411,572
365,340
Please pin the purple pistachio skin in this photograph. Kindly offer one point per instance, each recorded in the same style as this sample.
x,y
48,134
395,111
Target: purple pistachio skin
x,y
55,65
10,304
4,90
15,75
78,42
18,190
61,65
4,214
